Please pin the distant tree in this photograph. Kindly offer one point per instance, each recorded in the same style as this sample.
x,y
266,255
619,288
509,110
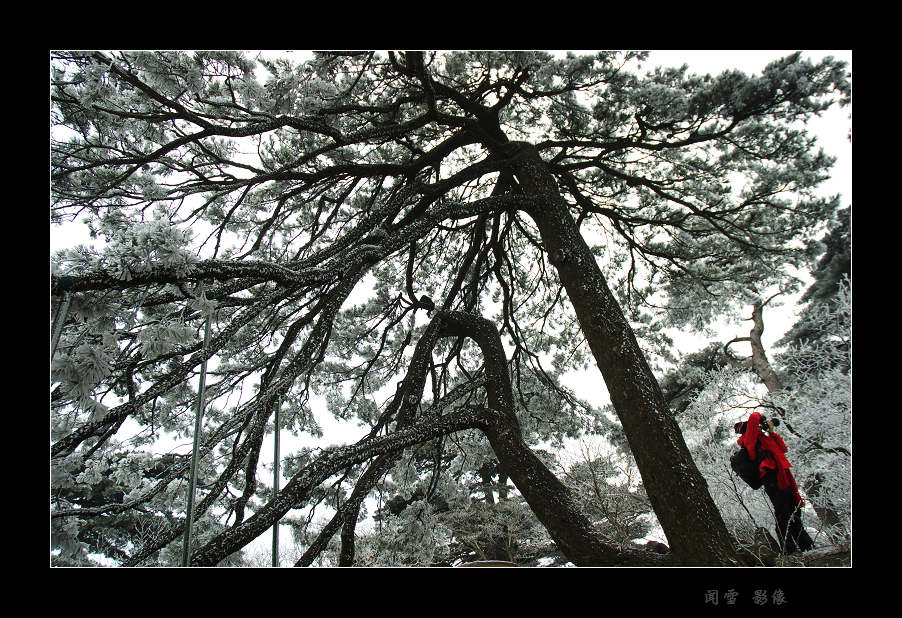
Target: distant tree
x,y
263,193
817,366
832,272
808,389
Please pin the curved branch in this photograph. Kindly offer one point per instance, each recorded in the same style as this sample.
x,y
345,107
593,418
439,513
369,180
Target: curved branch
x,y
325,466
546,495
69,443
346,516
550,500
736,363
256,271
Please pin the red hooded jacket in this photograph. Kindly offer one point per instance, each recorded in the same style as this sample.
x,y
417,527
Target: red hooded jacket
x,y
774,459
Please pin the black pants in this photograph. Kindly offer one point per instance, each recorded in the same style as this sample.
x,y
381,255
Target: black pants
x,y
790,533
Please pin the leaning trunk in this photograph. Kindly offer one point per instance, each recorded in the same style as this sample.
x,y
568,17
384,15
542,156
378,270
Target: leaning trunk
x,y
677,491
766,373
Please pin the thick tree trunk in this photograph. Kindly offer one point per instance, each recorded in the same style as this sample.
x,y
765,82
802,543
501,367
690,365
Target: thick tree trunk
x,y
678,492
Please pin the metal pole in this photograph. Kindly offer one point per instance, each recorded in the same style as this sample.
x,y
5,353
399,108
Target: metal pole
x,y
275,473
189,520
58,323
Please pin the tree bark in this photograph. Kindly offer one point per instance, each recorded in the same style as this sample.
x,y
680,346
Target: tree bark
x,y
760,363
677,490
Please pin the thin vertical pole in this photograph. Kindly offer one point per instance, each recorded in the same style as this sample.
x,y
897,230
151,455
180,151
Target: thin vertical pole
x,y
275,480
189,520
58,323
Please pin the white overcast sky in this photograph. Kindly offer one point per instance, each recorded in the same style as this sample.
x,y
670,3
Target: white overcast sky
x,y
832,130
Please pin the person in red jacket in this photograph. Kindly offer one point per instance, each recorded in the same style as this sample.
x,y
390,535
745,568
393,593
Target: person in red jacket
x,y
779,483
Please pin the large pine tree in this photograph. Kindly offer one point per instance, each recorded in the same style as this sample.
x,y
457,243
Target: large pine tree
x,y
543,202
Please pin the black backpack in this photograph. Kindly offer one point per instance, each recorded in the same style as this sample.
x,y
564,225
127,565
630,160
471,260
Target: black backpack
x,y
748,469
